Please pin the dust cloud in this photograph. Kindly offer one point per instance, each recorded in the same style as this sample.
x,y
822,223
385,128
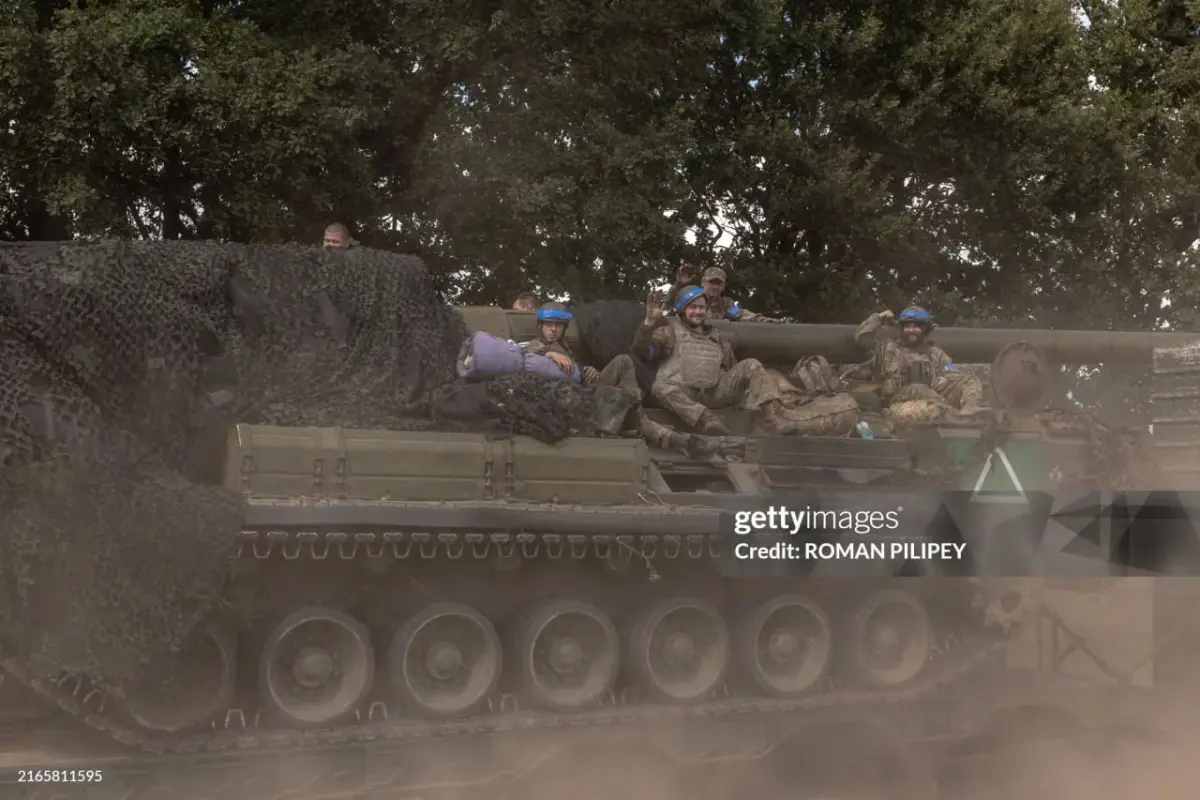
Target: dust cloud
x,y
635,769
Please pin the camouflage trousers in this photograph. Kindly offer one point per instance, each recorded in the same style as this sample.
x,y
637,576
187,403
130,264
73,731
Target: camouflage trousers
x,y
958,389
748,384
621,373
918,403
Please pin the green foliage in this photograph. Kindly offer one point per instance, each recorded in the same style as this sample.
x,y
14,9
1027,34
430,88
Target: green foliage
x,y
993,159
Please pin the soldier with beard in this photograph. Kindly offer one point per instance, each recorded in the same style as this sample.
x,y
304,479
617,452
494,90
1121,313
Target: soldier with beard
x,y
916,377
719,305
619,373
699,371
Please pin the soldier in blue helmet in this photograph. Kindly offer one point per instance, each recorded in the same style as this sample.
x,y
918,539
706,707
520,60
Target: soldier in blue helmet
x,y
713,283
620,373
553,319
699,372
916,377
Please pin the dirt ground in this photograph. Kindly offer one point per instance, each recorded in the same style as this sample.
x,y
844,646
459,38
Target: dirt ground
x,y
1048,770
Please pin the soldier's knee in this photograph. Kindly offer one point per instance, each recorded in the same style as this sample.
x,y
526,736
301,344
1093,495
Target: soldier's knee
x,y
668,390
749,366
621,362
916,391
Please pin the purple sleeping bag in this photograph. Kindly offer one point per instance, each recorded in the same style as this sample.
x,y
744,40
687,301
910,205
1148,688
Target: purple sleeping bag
x,y
485,356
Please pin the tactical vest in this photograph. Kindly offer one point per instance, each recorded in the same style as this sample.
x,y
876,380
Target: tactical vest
x,y
696,359
919,367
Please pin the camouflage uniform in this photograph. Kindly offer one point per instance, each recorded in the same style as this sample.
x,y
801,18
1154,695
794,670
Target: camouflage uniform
x,y
541,348
922,378
817,401
723,307
699,373
621,373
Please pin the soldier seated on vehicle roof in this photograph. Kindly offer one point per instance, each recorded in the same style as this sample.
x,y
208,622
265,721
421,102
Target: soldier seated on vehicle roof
x,y
699,371
526,301
337,237
916,378
620,373
713,284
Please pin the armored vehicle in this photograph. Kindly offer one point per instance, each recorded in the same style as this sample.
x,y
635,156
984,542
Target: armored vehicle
x,y
422,586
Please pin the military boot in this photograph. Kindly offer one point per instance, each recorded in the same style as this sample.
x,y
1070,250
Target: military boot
x,y
970,413
692,445
611,407
711,425
731,446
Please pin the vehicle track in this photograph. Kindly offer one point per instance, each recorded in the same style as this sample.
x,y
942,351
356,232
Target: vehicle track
x,y
73,696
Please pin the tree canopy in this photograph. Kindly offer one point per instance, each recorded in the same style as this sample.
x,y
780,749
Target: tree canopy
x,y
1021,162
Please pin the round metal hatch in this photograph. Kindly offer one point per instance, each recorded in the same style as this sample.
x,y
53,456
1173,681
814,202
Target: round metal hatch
x,y
1020,377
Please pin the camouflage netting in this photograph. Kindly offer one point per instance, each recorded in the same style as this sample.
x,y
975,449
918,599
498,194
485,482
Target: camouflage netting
x,y
110,354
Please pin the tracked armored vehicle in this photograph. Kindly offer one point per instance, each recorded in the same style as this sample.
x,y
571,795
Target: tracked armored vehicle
x,y
411,586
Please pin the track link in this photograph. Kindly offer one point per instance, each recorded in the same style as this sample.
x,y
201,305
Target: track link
x,y
950,669
239,729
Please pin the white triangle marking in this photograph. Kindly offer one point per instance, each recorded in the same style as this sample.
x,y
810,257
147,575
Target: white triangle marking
x,y
1012,475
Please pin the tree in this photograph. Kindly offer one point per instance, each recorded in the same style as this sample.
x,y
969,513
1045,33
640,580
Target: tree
x,y
993,159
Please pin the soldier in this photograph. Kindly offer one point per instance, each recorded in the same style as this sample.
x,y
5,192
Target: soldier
x,y
713,283
337,237
619,373
552,321
699,371
526,301
914,369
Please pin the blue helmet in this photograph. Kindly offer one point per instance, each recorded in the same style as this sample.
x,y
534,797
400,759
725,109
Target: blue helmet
x,y
916,314
554,312
686,296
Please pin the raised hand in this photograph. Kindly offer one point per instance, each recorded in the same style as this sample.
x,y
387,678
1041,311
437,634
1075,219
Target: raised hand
x,y
685,274
654,306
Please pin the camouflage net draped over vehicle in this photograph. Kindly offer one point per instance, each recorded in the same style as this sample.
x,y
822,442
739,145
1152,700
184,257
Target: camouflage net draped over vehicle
x,y
110,354
360,338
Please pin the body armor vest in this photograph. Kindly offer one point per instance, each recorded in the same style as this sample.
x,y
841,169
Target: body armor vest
x,y
697,357
920,369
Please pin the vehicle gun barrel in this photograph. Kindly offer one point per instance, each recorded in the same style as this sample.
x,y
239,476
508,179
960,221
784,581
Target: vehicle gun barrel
x,y
783,343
